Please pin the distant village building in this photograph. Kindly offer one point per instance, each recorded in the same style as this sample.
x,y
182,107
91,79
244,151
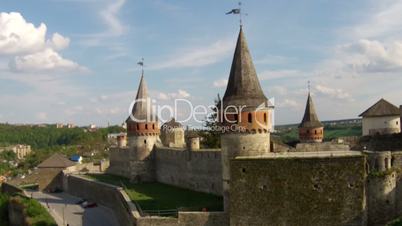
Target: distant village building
x,y
59,125
70,125
117,139
381,118
92,128
20,150
311,130
48,175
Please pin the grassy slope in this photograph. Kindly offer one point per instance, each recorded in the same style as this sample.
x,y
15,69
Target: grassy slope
x,y
38,215
157,196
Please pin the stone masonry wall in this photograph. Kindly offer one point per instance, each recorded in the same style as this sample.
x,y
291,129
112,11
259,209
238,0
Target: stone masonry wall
x,y
301,191
381,199
107,195
187,219
196,170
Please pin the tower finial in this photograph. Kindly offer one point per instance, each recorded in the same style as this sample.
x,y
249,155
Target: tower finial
x,y
240,13
237,11
141,63
309,86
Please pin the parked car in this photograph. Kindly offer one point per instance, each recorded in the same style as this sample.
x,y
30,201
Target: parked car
x,y
80,202
89,204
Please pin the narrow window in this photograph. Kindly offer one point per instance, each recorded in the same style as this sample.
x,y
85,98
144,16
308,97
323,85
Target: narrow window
x,y
308,131
153,126
146,126
249,118
315,131
397,122
265,117
236,117
138,127
145,141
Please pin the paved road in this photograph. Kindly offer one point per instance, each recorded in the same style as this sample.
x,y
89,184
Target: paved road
x,y
63,204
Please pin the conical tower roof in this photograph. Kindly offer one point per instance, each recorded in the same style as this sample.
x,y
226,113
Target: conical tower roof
x,y
243,87
142,103
310,119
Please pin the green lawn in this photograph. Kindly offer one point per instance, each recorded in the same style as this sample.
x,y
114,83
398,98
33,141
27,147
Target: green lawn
x,y
157,196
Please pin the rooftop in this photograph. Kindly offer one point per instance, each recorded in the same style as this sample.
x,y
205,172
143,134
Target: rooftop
x,y
381,108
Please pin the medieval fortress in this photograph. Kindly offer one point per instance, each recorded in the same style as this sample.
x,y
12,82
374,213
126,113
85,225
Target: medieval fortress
x,y
264,183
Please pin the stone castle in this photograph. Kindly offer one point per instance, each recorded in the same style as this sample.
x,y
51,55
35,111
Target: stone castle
x,y
262,183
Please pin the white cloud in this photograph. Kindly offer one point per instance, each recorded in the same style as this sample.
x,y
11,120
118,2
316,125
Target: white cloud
x,y
372,56
110,17
332,92
220,83
279,90
28,48
198,56
46,60
288,103
174,95
42,116
108,111
58,42
18,36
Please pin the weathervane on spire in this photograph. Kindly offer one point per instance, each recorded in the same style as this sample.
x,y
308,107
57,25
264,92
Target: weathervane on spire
x,y
237,11
141,63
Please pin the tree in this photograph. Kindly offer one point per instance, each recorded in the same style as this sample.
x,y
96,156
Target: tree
x,y
211,136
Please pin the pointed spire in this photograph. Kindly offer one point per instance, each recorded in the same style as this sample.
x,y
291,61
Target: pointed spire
x,y
141,105
243,86
310,119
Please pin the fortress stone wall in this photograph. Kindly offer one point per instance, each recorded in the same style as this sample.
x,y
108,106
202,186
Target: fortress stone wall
x,y
298,191
196,170
199,170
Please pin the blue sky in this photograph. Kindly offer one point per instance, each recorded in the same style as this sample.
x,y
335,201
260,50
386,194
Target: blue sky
x,y
75,60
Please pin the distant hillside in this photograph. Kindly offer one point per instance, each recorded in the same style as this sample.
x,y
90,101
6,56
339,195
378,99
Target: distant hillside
x,y
47,139
332,129
49,136
355,121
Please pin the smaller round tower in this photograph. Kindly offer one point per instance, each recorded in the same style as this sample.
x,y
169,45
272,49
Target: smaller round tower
x,y
311,130
172,134
193,141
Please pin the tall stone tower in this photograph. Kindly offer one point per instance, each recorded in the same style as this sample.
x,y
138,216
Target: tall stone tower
x,y
143,133
244,114
311,129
